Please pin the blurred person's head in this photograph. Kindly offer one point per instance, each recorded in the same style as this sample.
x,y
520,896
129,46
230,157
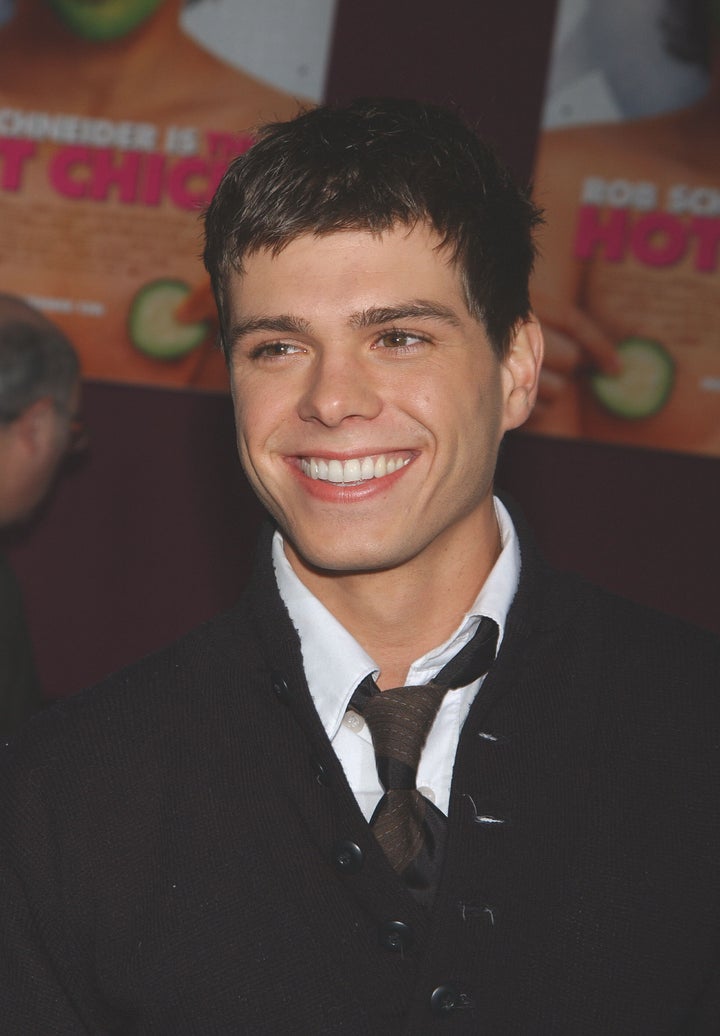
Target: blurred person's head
x,y
39,398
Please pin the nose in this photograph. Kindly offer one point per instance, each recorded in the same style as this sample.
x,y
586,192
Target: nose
x,y
338,388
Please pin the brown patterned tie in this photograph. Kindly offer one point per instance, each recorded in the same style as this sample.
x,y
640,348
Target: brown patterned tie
x,y
410,828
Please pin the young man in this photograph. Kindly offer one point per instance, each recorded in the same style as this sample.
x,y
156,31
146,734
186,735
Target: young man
x,y
203,844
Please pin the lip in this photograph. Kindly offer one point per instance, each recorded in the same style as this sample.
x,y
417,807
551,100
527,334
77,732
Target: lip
x,y
304,466
344,470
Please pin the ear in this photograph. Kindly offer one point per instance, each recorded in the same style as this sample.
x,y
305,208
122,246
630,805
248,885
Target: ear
x,y
520,372
33,446
36,429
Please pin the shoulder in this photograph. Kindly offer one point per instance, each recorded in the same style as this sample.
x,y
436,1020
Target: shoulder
x,y
655,675
602,639
211,677
638,628
642,686
549,599
170,694
622,628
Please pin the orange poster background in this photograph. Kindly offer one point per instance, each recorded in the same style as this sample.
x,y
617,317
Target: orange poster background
x,y
109,150
628,283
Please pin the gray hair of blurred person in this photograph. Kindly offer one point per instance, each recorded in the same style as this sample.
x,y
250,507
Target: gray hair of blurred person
x,y
36,361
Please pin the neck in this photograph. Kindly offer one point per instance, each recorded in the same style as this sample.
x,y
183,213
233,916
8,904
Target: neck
x,y
399,614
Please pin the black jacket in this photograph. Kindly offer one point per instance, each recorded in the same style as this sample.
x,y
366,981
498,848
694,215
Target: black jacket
x,y
19,687
180,851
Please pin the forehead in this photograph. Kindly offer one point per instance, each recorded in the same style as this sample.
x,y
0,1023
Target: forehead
x,y
348,268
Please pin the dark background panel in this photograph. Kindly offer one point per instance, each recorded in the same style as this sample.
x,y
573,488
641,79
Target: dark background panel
x,y
639,522
153,532
148,535
486,56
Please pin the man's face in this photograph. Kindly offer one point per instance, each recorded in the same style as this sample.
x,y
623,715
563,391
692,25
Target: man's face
x,y
369,404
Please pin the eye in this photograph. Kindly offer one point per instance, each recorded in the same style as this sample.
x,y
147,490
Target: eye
x,y
273,350
400,341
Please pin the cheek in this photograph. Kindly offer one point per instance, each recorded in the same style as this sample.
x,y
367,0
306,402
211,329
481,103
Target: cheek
x,y
251,412
261,403
463,408
243,438
37,486
258,422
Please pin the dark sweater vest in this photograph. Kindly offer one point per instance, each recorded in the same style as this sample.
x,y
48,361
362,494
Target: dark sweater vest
x,y
180,852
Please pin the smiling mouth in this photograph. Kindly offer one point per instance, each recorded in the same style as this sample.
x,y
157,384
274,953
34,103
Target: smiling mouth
x,y
357,469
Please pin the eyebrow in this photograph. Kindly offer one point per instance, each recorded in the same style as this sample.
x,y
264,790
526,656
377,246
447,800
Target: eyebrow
x,y
283,324
418,308
286,324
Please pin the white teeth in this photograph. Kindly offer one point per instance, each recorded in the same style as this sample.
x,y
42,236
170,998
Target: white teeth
x,y
316,468
335,471
352,471
356,469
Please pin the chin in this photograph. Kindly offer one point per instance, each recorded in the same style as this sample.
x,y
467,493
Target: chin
x,y
348,556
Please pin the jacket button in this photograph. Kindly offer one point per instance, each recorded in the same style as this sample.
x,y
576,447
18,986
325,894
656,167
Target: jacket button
x,y
444,1000
320,770
496,739
280,687
396,936
347,857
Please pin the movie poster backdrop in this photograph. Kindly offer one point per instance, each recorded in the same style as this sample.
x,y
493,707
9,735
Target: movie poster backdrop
x,y
628,170
117,119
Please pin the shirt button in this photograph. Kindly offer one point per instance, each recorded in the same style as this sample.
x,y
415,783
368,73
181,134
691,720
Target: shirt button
x,y
347,857
353,721
444,1000
395,936
427,792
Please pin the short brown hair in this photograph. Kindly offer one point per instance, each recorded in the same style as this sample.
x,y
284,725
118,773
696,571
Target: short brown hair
x,y
370,166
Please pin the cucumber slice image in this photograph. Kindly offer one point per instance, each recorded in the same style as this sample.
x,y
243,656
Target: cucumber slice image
x,y
103,20
152,325
644,384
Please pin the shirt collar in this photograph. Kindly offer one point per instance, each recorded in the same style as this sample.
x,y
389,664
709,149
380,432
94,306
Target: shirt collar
x,y
335,663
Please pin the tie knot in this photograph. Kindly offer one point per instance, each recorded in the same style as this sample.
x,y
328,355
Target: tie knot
x,y
400,719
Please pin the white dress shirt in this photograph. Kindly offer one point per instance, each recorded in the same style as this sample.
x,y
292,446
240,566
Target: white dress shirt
x,y
335,664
